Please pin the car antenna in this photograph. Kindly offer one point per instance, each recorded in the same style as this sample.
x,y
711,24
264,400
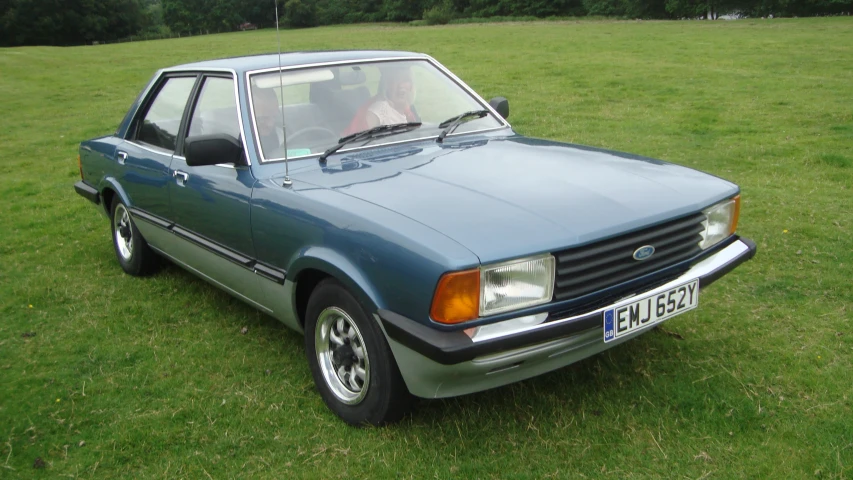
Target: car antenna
x,y
287,181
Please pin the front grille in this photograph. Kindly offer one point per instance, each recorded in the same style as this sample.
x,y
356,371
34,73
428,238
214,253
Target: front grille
x,y
594,302
593,267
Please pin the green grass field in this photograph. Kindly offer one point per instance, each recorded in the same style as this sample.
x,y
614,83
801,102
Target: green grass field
x,y
104,375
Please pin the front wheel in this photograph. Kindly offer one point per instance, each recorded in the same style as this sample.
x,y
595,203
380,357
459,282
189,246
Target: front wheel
x,y
350,360
132,252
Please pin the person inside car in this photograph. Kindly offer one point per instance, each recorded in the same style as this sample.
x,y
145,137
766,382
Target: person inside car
x,y
393,103
268,120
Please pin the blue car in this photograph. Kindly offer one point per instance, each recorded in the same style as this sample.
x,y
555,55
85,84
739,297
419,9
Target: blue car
x,y
375,203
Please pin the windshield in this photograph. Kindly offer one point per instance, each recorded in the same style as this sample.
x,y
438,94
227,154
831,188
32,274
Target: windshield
x,y
323,104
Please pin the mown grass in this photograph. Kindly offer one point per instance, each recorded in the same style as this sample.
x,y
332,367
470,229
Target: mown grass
x,y
155,377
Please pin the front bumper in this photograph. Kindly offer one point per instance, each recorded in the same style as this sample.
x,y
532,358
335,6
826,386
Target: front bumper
x,y
443,364
87,191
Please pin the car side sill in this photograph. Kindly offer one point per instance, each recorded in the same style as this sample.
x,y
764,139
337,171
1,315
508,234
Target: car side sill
x,y
212,281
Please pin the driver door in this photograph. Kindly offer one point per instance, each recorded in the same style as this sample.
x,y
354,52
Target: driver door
x,y
210,204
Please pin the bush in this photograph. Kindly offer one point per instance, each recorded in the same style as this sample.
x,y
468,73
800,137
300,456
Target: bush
x,y
495,19
440,14
299,14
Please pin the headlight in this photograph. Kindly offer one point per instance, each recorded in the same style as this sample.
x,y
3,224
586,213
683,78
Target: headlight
x,y
491,289
517,284
720,222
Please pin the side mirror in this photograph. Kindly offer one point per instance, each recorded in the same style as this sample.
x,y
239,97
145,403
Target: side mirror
x,y
203,150
501,105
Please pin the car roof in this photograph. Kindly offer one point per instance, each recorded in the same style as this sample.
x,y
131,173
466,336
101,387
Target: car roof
x,y
289,59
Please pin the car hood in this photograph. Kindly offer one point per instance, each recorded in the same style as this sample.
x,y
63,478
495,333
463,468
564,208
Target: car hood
x,y
513,196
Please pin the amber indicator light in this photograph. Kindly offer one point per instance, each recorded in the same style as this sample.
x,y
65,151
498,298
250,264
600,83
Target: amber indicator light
x,y
457,297
736,216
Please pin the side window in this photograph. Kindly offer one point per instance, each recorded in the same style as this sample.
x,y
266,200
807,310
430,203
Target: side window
x,y
216,109
162,121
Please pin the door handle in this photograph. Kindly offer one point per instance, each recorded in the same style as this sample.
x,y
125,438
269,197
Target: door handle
x,y
181,177
121,157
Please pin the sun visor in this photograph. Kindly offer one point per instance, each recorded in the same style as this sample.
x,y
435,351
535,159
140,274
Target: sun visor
x,y
271,80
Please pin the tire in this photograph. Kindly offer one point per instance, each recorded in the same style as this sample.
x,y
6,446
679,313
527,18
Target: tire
x,y
351,362
132,252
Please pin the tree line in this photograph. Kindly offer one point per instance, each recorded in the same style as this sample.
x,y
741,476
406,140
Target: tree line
x,y
75,22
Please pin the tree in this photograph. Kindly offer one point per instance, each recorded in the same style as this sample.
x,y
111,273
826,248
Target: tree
x,y
68,22
402,10
300,13
627,8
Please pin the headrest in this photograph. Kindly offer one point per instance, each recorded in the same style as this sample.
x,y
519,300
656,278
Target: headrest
x,y
351,76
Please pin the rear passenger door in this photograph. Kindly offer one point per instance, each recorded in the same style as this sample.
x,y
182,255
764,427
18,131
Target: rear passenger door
x,y
147,150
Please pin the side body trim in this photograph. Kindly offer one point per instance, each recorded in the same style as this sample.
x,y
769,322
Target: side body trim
x,y
268,272
223,252
143,215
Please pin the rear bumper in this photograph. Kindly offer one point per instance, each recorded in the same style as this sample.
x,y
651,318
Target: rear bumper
x,y
442,364
87,191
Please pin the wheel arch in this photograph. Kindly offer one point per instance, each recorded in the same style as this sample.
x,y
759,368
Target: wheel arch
x,y
319,263
109,188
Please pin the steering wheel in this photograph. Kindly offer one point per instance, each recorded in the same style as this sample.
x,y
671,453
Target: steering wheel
x,y
312,130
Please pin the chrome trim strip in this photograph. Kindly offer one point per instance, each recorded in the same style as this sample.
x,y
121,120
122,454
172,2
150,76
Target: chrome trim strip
x,y
166,152
223,165
198,70
704,267
337,62
234,76
159,151
240,118
427,58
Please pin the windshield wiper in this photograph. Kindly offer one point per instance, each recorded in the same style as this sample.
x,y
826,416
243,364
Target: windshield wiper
x,y
371,134
451,123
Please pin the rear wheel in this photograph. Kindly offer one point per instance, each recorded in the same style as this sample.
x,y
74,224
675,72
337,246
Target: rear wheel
x,y
132,252
350,360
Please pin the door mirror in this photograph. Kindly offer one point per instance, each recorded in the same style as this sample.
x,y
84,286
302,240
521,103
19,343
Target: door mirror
x,y
501,105
212,150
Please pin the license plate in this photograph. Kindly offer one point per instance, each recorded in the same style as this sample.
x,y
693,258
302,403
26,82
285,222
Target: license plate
x,y
650,310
